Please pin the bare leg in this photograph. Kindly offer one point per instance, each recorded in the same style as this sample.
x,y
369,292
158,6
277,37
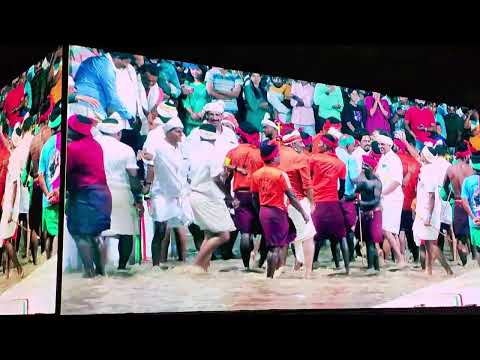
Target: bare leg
x,y
181,238
209,246
160,230
272,262
34,246
164,245
434,253
454,244
395,245
402,239
309,249
387,251
12,255
246,247
428,258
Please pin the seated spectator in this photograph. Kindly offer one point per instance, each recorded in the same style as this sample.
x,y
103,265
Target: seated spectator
x,y
279,95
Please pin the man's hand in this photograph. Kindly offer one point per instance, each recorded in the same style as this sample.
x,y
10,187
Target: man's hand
x,y
305,217
147,155
476,221
235,203
53,197
140,209
89,100
146,188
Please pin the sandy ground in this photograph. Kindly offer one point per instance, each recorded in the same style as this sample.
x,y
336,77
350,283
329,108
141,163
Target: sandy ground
x,y
28,268
34,294
228,287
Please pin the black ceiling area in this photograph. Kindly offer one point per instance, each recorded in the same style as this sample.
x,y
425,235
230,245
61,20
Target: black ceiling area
x,y
441,73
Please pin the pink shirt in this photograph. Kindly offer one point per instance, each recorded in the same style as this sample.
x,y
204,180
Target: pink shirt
x,y
85,164
303,115
378,121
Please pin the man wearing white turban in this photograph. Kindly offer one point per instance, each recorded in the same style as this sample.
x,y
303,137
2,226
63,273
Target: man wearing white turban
x,y
390,173
121,171
167,183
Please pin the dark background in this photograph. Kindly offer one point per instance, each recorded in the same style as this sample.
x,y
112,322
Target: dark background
x,y
442,73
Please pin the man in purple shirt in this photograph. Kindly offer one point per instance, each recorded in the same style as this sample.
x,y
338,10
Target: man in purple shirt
x,y
89,202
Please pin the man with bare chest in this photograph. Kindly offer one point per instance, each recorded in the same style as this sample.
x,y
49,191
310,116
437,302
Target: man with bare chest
x,y
456,175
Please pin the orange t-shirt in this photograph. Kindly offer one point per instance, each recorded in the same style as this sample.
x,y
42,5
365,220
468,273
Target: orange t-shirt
x,y
245,156
298,170
271,183
326,170
409,187
56,91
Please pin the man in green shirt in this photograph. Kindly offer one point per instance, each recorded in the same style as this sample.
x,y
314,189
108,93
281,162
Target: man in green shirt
x,y
329,100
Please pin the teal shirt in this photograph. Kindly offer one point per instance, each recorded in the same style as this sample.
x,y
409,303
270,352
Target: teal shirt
x,y
471,192
167,74
255,113
352,170
439,119
195,102
326,102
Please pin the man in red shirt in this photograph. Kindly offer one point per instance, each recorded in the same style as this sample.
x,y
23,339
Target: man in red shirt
x,y
411,171
327,170
240,164
295,163
271,188
419,122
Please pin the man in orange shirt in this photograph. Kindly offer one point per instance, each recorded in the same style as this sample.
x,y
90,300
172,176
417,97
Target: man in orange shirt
x,y
241,162
327,170
271,188
411,171
295,163
330,125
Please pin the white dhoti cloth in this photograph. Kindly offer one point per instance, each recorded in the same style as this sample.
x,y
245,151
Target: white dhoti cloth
x,y
176,211
124,218
391,214
211,214
304,231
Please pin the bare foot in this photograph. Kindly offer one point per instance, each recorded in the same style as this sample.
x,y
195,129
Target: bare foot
x,y
253,264
298,265
308,276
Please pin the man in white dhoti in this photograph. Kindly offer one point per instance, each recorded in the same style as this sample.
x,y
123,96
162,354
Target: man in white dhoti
x,y
390,173
167,183
208,195
121,172
11,205
427,222
226,140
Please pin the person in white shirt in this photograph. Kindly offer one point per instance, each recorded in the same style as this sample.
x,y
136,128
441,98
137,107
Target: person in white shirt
x,y
428,210
150,94
167,183
390,173
208,195
226,140
121,173
363,149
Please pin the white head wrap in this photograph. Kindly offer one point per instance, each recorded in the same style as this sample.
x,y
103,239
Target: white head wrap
x,y
173,123
384,140
215,106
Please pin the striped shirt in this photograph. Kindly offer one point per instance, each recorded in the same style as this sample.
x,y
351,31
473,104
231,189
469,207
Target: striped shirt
x,y
224,82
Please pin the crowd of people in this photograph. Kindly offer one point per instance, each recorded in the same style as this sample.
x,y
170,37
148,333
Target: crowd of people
x,y
272,162
30,156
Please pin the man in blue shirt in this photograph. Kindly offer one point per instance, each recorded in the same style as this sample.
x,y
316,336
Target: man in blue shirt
x,y
96,79
344,153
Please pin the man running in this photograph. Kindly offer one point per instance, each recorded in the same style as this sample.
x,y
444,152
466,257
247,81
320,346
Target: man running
x,y
456,175
207,181
270,188
370,188
327,171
